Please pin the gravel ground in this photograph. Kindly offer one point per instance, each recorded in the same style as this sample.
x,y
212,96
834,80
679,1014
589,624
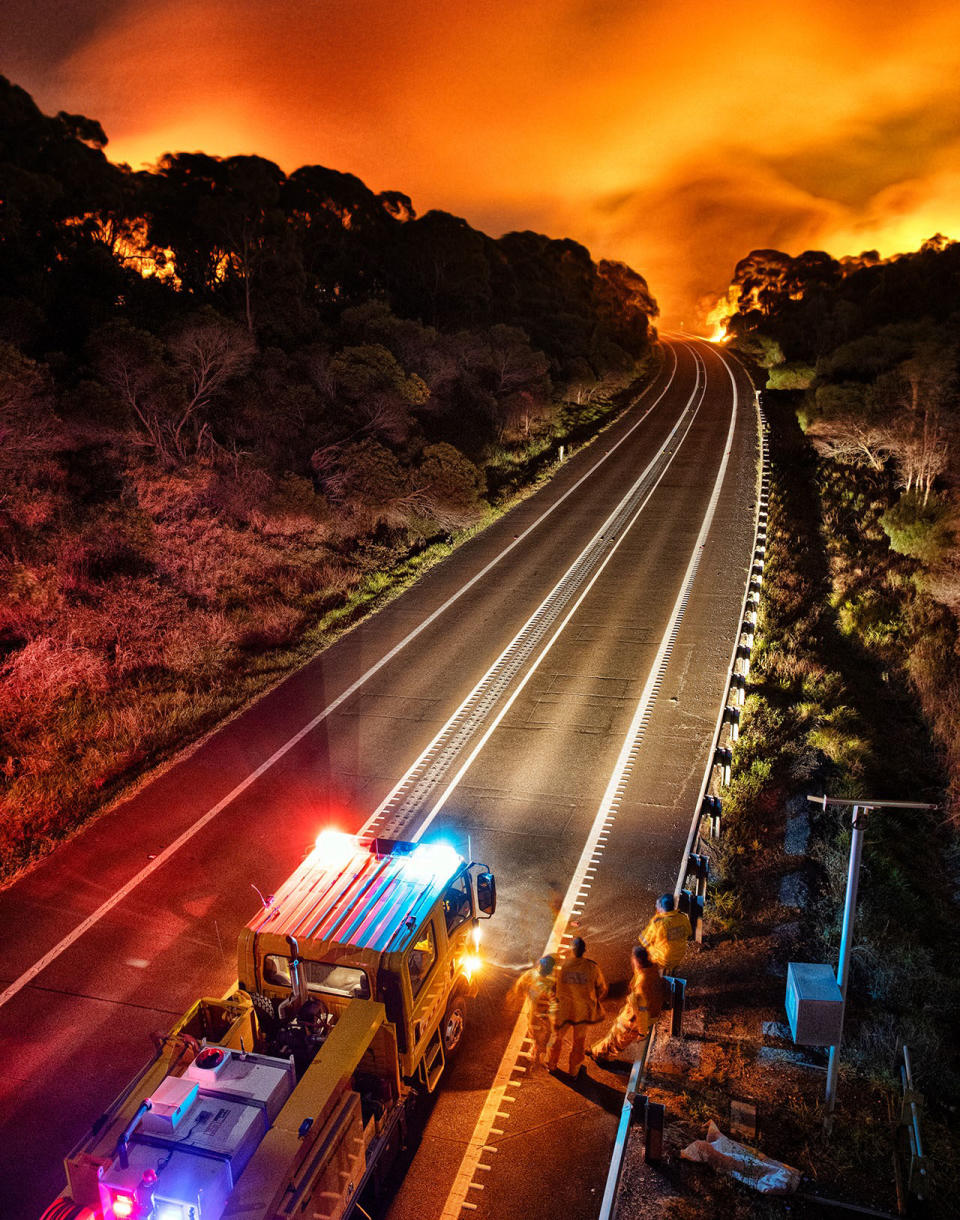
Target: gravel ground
x,y
733,1062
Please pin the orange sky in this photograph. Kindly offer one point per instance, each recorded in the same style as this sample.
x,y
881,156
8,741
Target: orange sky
x,y
676,137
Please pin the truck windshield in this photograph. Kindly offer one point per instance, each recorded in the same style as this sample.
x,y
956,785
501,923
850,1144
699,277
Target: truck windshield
x,y
326,977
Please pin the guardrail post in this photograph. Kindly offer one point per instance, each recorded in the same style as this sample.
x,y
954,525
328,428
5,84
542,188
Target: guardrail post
x,y
653,1141
698,867
692,905
678,988
723,758
716,811
731,715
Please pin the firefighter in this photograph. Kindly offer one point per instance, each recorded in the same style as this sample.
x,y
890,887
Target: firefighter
x,y
580,990
644,1002
538,987
666,935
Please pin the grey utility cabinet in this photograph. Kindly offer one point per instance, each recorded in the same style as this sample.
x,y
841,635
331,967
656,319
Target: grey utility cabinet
x,y
814,1004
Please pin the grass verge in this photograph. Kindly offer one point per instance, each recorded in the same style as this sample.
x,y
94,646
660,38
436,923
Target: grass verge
x,y
151,672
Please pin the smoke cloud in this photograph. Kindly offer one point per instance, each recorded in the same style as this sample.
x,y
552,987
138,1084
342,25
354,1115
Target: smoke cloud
x,y
674,137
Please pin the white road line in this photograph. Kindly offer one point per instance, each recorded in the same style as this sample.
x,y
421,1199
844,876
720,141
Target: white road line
x,y
534,666
168,852
481,1132
695,820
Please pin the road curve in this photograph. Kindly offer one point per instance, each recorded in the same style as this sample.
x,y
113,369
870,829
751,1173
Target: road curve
x,y
122,928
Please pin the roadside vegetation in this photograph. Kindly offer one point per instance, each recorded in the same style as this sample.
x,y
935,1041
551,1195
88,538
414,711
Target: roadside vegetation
x,y
872,350
238,409
854,691
830,708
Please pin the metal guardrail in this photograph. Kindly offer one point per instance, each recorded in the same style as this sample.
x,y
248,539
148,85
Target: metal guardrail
x,y
709,805
708,808
637,1111
909,1141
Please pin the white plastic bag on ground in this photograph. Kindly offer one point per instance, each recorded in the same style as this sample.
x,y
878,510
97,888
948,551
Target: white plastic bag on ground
x,y
744,1164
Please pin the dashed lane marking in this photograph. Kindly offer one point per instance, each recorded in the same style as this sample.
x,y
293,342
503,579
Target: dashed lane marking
x,y
593,847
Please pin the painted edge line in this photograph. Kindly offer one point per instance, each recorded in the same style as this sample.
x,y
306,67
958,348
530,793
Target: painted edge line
x,y
715,739
462,1182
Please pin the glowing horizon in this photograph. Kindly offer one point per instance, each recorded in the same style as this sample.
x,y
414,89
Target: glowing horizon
x,y
675,142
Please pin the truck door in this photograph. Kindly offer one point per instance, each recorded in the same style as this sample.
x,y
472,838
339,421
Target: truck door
x,y
428,984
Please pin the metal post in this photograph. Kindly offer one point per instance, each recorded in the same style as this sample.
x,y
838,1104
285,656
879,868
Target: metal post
x,y
860,810
679,987
653,1144
846,940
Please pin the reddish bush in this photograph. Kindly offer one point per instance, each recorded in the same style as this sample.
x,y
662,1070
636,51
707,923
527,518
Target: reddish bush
x,y
270,626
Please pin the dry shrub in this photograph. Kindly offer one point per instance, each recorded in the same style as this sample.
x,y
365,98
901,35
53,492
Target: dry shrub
x,y
270,626
46,670
171,495
329,576
211,560
126,622
29,600
189,645
787,668
943,583
290,525
292,510
35,506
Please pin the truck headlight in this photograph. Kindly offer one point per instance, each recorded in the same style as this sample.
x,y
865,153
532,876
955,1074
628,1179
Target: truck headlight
x,y
471,965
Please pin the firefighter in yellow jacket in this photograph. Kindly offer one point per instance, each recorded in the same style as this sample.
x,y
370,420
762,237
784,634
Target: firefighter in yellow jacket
x,y
644,1002
580,990
665,936
538,988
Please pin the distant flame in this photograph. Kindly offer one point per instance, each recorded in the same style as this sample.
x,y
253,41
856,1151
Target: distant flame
x,y
127,240
719,315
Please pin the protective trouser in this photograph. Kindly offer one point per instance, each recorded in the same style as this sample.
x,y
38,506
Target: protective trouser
x,y
539,1027
626,1029
577,1049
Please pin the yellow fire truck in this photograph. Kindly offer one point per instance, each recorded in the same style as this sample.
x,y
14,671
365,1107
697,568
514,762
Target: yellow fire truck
x,y
293,1094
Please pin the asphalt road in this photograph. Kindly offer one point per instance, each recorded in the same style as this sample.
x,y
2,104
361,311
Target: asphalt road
x,y
120,930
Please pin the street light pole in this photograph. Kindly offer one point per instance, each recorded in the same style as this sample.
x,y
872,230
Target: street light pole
x,y
860,810
846,939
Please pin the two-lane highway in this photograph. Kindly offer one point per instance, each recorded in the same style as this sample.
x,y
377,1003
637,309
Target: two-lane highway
x,y
499,699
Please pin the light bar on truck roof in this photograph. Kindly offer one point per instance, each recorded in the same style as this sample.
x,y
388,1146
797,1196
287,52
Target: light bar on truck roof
x,y
334,848
432,860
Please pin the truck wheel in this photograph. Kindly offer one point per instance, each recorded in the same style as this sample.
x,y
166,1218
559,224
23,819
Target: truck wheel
x,y
454,1020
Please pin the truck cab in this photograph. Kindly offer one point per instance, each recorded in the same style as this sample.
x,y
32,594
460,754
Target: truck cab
x,y
293,1093
393,921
